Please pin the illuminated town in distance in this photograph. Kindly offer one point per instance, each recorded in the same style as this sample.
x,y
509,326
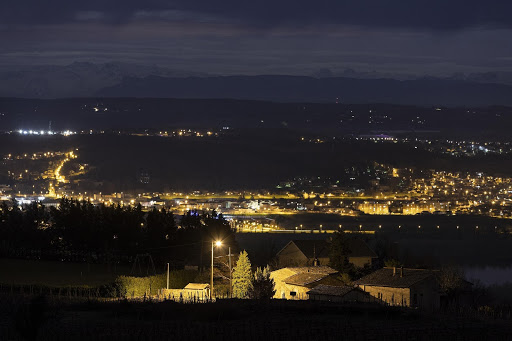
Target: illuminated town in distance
x,y
372,189
404,201
264,170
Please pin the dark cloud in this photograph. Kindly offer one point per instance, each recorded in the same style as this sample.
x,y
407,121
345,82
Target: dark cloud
x,y
262,36
414,14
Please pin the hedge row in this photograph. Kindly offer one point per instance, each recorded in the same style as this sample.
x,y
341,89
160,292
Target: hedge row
x,y
122,286
129,286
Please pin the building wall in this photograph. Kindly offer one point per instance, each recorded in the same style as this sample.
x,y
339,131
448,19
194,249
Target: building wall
x,y
291,255
352,296
360,262
284,290
323,261
391,296
278,276
303,261
426,295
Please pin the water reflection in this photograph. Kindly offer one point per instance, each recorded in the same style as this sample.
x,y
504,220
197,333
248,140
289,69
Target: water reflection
x,y
489,275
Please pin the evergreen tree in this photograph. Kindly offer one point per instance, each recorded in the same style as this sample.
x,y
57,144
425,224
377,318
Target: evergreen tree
x,y
242,276
263,286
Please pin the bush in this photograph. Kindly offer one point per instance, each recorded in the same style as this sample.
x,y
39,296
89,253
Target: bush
x,y
263,286
129,286
114,289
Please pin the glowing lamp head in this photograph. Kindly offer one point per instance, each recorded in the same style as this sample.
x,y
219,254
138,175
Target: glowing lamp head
x,y
218,243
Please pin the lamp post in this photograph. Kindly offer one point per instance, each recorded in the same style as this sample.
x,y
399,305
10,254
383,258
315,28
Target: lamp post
x,y
216,243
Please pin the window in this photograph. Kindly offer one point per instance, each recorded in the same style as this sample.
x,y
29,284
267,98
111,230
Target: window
x,y
293,293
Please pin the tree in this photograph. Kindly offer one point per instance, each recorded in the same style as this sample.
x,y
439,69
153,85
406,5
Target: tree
x,y
160,227
452,282
392,263
242,276
263,286
339,252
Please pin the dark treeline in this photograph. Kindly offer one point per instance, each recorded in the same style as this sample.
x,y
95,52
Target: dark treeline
x,y
128,113
80,231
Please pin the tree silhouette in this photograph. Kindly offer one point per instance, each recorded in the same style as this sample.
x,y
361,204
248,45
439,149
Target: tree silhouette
x,y
80,230
339,252
263,286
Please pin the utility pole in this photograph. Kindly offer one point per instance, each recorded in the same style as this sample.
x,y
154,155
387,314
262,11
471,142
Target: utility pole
x,y
167,276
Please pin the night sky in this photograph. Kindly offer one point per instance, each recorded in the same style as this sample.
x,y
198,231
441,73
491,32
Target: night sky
x,y
393,37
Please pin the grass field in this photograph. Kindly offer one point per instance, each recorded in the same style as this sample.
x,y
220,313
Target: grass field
x,y
57,274
238,320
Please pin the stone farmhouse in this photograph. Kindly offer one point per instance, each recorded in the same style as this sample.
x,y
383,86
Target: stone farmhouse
x,y
316,252
416,288
294,283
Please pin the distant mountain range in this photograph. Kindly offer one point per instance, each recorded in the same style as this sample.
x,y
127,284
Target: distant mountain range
x,y
132,80
74,80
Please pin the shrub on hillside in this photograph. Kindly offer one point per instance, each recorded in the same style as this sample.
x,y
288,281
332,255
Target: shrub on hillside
x,y
130,286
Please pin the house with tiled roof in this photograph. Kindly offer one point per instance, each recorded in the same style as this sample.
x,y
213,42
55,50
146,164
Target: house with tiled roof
x,y
309,252
294,282
417,288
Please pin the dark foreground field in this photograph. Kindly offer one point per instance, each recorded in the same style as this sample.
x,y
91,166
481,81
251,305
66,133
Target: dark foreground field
x,y
58,274
42,319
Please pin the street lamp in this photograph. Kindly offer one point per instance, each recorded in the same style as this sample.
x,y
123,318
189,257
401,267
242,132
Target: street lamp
x,y
217,244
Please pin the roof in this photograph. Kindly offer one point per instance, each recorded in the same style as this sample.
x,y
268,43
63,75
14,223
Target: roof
x,y
331,290
313,269
304,275
359,248
305,278
320,248
385,278
282,273
312,248
197,286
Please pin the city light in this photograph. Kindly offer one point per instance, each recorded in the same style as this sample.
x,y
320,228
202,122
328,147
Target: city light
x,y
45,132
